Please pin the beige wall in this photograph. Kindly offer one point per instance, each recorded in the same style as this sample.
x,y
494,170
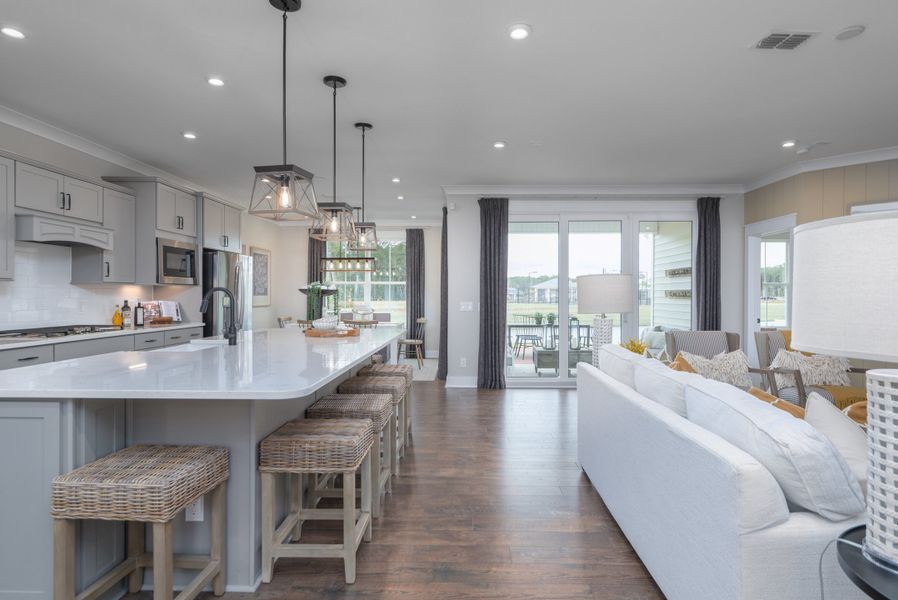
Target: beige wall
x,y
824,194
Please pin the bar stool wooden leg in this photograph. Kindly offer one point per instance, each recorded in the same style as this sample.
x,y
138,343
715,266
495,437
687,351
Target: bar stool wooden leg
x,y
219,538
418,356
367,488
296,500
403,407
137,545
63,559
389,449
163,565
374,477
267,525
349,525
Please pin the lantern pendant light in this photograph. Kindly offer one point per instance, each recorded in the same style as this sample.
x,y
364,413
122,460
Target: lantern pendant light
x,y
334,222
283,192
365,231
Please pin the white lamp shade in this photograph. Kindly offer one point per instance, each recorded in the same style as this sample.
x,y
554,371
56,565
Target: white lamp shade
x,y
598,294
845,287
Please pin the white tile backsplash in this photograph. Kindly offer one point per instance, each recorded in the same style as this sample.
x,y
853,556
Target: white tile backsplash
x,y
41,294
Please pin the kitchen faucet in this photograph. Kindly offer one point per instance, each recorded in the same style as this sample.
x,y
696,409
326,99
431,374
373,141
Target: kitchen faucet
x,y
231,327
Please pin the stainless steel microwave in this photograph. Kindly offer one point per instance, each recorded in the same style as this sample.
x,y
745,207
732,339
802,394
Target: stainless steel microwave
x,y
175,262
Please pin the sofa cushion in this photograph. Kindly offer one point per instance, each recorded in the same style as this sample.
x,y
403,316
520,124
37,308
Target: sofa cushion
x,y
845,434
665,386
681,364
617,362
811,472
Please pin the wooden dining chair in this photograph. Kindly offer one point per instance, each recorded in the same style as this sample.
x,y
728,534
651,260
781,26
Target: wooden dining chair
x,y
405,346
284,321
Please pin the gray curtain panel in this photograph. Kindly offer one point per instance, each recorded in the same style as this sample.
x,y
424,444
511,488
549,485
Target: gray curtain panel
x,y
493,291
443,362
317,251
414,289
707,265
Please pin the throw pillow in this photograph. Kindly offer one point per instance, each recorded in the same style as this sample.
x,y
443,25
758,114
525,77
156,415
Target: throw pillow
x,y
793,409
727,367
848,438
817,369
811,472
681,364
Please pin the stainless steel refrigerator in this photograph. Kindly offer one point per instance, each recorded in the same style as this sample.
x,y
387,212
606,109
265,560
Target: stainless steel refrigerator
x,y
235,272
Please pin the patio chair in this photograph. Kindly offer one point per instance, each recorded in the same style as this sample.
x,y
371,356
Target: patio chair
x,y
531,337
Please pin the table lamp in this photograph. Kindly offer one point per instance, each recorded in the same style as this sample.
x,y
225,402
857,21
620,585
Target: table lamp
x,y
599,295
845,303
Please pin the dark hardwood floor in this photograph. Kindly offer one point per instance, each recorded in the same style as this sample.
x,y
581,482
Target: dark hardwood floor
x,y
490,504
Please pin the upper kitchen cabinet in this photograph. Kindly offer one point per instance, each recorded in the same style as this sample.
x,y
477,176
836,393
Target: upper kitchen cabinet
x,y
175,211
118,265
7,218
50,192
221,226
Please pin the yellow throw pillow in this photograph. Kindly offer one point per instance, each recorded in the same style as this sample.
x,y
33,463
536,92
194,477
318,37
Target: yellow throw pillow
x,y
681,364
793,409
845,396
857,412
787,337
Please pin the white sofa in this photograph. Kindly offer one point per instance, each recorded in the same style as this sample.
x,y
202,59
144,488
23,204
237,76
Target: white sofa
x,y
708,520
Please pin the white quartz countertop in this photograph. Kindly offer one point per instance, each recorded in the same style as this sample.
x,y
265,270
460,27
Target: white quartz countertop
x,y
10,344
270,364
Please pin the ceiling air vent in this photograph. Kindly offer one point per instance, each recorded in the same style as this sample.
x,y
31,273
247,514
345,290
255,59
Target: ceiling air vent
x,y
784,40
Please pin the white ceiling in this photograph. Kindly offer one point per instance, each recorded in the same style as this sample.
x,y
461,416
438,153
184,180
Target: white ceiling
x,y
645,92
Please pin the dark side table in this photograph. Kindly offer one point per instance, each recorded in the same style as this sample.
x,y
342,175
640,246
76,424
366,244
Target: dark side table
x,y
874,580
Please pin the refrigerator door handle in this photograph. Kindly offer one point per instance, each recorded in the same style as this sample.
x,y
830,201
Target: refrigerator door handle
x,y
238,310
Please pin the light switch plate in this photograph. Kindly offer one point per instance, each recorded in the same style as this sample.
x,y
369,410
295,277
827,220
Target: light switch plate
x,y
466,306
194,511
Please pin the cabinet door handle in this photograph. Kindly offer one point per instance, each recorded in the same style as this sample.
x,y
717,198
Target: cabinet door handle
x,y
224,241
68,202
176,337
107,268
152,341
61,204
227,241
27,358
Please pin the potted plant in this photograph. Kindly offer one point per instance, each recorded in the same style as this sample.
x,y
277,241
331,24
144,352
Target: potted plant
x,y
550,318
538,317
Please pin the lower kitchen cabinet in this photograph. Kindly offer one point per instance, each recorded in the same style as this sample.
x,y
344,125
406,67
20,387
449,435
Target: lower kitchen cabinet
x,y
22,357
182,336
67,350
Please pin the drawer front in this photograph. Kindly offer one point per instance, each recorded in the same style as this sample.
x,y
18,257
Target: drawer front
x,y
148,341
22,357
182,336
69,350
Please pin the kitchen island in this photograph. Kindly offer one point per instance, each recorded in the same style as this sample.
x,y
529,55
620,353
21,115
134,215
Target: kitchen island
x,y
57,416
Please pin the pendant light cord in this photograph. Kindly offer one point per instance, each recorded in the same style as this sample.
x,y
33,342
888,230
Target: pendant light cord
x,y
284,87
335,142
363,173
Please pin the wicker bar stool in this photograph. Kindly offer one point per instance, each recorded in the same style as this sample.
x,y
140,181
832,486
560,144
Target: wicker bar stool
x,y
316,446
404,371
142,484
384,385
378,408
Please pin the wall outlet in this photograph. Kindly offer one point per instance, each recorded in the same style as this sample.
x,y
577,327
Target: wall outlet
x,y
194,511
462,362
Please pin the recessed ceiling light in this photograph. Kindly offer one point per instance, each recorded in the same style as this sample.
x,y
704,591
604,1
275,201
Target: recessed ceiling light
x,y
519,31
215,81
789,144
395,180
414,217
400,197
189,135
498,145
12,32
850,32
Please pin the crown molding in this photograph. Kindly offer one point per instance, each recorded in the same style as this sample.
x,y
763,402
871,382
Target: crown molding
x,y
827,162
76,142
594,191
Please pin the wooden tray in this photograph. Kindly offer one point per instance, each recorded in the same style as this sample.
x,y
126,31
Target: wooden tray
x,y
331,333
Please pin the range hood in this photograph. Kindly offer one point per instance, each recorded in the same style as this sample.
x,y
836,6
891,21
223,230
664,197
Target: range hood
x,y
47,230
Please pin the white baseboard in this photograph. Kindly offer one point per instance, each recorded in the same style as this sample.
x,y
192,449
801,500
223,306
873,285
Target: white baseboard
x,y
457,381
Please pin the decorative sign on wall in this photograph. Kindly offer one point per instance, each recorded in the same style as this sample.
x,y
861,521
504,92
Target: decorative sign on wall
x,y
261,276
680,272
680,294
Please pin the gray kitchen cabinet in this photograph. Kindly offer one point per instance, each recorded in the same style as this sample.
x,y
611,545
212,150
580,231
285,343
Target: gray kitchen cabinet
x,y
23,357
148,341
90,265
175,211
7,219
46,191
221,226
80,349
182,336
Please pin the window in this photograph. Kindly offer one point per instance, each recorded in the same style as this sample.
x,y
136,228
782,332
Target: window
x,y
383,289
774,282
665,275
